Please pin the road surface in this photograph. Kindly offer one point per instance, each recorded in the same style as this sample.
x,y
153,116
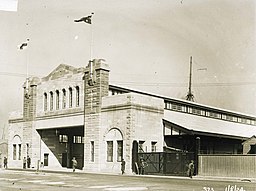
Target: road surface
x,y
11,180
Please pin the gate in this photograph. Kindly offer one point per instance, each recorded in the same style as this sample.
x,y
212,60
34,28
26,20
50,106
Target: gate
x,y
167,163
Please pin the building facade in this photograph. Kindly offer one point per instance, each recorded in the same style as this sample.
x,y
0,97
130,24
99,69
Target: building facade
x,y
75,112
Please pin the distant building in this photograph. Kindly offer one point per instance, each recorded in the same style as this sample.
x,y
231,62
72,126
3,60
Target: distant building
x,y
75,112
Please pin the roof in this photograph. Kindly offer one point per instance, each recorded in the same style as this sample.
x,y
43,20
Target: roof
x,y
202,124
125,89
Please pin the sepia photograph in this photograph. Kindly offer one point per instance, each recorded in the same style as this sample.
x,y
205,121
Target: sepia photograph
x,y
135,95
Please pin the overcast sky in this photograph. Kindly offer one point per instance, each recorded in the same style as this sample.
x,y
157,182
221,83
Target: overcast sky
x,y
147,43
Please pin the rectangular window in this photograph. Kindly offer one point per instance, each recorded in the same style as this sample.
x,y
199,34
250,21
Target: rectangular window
x,y
196,111
14,152
235,119
176,107
229,118
109,151
92,151
214,115
63,138
19,155
167,105
77,139
119,151
223,116
243,120
140,150
153,146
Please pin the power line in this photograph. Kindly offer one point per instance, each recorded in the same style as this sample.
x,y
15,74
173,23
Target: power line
x,y
163,84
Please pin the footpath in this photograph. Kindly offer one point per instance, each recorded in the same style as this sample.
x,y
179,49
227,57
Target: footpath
x,y
208,178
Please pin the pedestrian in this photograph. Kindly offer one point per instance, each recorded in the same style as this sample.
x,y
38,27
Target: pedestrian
x,y
24,162
123,166
74,164
191,169
28,162
5,162
143,166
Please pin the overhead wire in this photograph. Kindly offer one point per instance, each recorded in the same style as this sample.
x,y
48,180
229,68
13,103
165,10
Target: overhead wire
x,y
146,84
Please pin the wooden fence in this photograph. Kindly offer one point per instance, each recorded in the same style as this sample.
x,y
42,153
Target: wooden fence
x,y
243,166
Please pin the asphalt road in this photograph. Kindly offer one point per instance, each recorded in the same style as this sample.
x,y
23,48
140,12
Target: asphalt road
x,y
11,180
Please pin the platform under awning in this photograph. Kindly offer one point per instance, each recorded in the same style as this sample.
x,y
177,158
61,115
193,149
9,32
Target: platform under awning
x,y
202,125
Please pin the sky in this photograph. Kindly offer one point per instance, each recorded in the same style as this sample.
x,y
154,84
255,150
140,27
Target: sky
x,y
147,44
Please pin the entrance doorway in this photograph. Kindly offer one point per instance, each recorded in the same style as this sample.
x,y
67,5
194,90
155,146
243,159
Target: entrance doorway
x,y
46,159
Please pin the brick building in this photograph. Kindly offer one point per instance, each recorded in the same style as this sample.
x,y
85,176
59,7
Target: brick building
x,y
75,112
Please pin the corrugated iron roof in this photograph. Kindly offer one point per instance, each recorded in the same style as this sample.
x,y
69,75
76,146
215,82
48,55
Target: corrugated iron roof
x,y
209,125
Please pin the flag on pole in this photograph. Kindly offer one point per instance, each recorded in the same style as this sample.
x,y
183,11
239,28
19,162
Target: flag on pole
x,y
87,19
23,45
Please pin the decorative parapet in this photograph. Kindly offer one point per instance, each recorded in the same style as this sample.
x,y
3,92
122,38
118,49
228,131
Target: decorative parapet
x,y
136,101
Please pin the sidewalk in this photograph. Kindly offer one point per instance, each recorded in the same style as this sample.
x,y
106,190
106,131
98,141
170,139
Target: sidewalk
x,y
208,178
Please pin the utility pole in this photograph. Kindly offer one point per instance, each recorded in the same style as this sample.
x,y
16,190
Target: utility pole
x,y
190,96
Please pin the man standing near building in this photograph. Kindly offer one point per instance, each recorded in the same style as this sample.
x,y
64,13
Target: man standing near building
x,y
29,161
123,166
24,163
74,164
191,169
5,162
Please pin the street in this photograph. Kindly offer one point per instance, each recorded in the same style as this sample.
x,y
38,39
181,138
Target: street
x,y
11,180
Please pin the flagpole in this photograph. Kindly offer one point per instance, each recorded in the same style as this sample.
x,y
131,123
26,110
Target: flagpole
x,y
27,61
91,50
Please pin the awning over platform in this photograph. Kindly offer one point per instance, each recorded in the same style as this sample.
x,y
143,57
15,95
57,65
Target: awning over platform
x,y
206,125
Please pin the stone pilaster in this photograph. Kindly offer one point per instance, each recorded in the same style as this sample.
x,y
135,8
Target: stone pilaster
x,y
96,86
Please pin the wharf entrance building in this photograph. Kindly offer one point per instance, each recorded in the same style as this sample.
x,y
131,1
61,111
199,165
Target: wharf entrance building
x,y
75,112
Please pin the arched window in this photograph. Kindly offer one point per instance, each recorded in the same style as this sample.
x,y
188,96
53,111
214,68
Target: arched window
x,y
16,148
64,99
45,101
77,96
70,96
114,142
57,100
51,100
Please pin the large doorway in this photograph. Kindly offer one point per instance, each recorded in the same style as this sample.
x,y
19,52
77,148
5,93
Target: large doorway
x,y
65,143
